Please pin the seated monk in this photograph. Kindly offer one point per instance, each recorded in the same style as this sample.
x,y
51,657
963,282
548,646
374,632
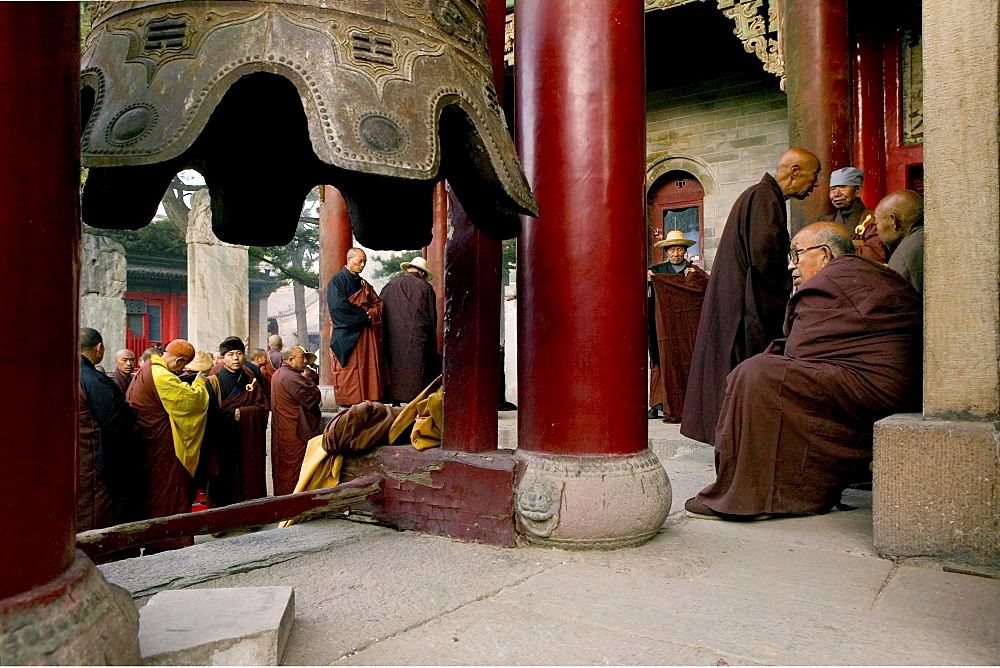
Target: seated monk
x,y
797,419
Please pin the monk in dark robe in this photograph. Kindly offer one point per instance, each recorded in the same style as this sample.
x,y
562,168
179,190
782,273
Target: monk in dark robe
x,y
124,368
274,346
796,425
260,357
170,420
358,363
845,194
295,418
746,295
409,322
237,427
676,291
107,463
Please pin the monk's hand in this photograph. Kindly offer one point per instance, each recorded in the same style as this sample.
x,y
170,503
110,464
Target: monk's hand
x,y
649,274
236,415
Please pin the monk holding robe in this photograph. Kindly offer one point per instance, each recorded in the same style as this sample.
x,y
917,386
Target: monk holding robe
x,y
237,427
296,418
796,424
746,296
356,340
171,417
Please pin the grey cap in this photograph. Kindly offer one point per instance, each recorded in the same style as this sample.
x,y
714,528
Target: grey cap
x,y
848,176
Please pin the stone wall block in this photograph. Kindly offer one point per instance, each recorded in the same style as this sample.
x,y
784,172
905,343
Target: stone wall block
x,y
935,490
102,287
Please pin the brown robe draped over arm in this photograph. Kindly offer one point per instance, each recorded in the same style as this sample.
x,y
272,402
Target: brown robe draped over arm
x,y
409,321
744,303
363,377
296,418
167,488
677,303
796,427
241,447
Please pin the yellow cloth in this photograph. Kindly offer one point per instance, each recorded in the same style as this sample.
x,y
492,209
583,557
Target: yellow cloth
x,y
319,470
187,408
426,414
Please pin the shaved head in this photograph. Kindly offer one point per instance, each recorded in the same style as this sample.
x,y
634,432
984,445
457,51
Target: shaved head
x,y
125,361
797,173
356,260
177,354
275,341
813,248
897,214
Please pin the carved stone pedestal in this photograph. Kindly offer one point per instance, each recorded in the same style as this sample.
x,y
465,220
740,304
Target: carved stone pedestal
x,y
599,502
77,619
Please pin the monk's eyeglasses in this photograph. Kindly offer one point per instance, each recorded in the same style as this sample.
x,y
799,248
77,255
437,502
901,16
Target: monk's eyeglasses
x,y
793,255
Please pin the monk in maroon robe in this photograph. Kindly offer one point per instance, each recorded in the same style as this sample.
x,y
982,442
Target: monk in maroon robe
x,y
124,369
358,364
295,419
237,429
746,296
409,318
796,425
170,423
676,311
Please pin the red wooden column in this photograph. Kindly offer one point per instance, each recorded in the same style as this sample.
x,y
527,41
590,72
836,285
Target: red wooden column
x,y
434,254
818,67
472,308
869,104
335,239
580,93
48,592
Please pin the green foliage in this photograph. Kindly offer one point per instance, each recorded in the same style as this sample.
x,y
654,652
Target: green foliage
x,y
158,239
509,255
389,267
293,260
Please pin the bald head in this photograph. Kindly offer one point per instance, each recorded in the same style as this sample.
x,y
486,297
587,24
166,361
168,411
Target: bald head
x,y
125,361
813,248
356,260
798,173
897,214
177,354
274,342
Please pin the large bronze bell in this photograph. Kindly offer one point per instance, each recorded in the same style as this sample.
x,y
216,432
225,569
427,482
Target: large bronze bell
x,y
267,99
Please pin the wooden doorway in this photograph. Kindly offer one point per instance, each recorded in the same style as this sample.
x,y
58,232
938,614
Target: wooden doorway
x,y
677,202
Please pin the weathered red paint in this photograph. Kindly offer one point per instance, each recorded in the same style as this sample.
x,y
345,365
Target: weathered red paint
x,y
257,512
471,336
335,239
898,156
817,64
869,116
39,130
434,254
468,496
580,98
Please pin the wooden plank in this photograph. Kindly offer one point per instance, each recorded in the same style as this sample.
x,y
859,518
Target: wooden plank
x,y
228,518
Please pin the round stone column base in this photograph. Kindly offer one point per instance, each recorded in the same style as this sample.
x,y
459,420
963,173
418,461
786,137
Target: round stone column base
x,y
78,619
590,502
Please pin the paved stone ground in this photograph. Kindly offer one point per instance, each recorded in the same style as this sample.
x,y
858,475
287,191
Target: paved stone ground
x,y
790,591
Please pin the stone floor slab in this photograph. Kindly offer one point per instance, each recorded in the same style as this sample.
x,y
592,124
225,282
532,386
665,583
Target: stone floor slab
x,y
489,633
763,627
806,574
216,627
935,596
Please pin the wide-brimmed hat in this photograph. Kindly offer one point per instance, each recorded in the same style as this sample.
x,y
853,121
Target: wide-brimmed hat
x,y
202,362
674,238
421,264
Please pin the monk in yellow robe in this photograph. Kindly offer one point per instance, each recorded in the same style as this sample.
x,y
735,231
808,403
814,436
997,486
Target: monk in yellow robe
x,y
170,420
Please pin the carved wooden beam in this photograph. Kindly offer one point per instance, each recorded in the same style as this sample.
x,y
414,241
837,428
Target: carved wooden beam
x,y
244,515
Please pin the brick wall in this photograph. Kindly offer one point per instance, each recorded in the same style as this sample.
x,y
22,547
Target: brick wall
x,y
731,130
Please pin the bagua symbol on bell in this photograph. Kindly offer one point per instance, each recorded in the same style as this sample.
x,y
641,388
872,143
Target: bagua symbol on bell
x,y
379,98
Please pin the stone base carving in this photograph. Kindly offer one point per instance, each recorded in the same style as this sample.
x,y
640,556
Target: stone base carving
x,y
934,490
590,502
79,619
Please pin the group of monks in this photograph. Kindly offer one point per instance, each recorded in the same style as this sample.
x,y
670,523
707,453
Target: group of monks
x,y
785,357
150,436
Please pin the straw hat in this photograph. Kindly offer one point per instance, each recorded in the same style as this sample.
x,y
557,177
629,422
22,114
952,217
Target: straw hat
x,y
202,362
421,264
674,238
310,357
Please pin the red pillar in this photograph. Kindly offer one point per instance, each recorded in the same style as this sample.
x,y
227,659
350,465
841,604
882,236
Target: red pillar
x,y
335,239
817,64
434,254
39,210
869,101
582,263
472,308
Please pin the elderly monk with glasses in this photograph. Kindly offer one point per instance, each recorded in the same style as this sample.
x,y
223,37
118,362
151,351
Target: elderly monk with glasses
x,y
796,423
